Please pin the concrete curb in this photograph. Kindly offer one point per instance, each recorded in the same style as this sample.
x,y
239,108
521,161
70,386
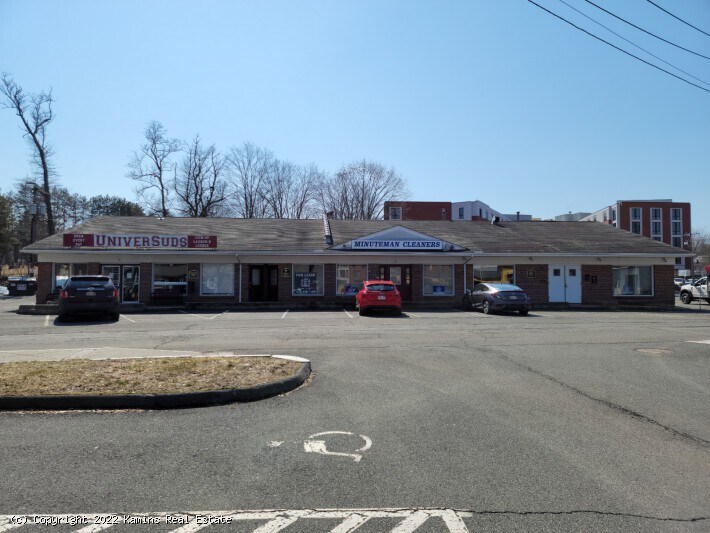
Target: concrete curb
x,y
158,401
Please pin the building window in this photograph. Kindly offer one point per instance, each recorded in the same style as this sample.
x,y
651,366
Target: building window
x,y
633,281
493,274
676,213
62,272
307,280
677,242
460,213
217,280
438,280
395,213
636,220
655,213
679,261
170,279
349,278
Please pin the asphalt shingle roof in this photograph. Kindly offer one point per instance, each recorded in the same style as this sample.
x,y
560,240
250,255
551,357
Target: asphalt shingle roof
x,y
249,235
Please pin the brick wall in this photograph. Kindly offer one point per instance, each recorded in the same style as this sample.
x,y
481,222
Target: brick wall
x,y
533,280
599,293
44,282
146,282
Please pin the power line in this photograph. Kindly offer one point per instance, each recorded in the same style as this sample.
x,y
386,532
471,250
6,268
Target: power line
x,y
620,49
677,18
634,44
645,31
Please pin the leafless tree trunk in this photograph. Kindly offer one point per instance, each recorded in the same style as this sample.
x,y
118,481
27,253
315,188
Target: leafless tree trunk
x,y
360,189
35,112
249,168
151,167
199,185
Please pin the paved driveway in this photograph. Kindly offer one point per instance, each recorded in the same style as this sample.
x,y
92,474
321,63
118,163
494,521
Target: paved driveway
x,y
457,421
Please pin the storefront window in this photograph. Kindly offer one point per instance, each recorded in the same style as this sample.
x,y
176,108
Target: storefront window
x,y
349,279
493,274
170,279
307,280
438,280
62,272
633,281
217,280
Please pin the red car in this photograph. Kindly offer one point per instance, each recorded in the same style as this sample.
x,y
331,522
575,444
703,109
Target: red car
x,y
378,294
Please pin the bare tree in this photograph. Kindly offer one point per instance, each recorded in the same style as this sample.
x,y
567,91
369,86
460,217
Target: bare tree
x,y
199,184
290,191
249,168
151,166
35,112
359,190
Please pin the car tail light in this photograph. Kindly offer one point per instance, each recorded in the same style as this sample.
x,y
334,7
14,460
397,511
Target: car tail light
x,y
115,294
64,295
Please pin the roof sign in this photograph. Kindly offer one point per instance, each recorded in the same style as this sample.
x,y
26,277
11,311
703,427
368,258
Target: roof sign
x,y
87,240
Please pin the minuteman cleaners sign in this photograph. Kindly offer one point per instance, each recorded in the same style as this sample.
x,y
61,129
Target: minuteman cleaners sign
x,y
373,244
398,238
90,240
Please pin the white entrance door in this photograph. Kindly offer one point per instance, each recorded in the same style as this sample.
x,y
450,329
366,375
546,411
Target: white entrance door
x,y
565,283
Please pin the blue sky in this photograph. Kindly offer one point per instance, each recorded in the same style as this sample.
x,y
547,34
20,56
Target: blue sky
x,y
496,101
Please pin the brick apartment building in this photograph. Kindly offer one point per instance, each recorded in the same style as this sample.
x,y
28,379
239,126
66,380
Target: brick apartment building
x,y
471,210
661,220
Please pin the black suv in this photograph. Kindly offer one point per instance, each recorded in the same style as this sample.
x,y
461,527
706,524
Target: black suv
x,y
89,295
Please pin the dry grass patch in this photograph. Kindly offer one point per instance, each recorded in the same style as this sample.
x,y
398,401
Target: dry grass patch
x,y
140,376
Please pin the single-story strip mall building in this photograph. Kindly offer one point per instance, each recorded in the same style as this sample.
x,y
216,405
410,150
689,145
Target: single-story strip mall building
x,y
322,263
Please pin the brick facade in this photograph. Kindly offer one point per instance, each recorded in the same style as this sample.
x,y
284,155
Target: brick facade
x,y
533,280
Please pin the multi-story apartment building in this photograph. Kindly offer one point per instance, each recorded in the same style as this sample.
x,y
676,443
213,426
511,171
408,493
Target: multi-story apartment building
x,y
661,220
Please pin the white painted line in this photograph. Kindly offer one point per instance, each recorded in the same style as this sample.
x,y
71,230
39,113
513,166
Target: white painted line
x,y
416,316
700,342
277,520
46,321
351,523
285,313
275,443
411,523
282,522
346,312
219,315
318,446
129,319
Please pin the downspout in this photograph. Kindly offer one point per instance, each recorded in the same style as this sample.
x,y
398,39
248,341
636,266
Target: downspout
x,y
464,272
240,278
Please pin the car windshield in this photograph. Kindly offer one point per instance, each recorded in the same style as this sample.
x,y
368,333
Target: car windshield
x,y
384,287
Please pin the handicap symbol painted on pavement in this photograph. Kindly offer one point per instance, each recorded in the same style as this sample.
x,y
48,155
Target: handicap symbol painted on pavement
x,y
318,446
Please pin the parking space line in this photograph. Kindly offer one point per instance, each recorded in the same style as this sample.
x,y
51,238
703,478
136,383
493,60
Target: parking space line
x,y
129,319
412,314
204,317
346,312
46,321
285,313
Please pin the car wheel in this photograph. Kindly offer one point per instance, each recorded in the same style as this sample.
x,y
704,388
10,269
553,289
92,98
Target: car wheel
x,y
115,317
61,317
523,312
685,297
361,311
486,307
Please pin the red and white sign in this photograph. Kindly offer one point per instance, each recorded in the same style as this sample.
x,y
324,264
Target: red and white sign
x,y
79,240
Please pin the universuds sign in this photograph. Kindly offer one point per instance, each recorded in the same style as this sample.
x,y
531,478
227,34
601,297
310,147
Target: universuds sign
x,y
79,240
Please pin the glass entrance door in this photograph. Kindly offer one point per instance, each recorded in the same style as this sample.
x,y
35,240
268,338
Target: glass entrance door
x,y
401,276
131,284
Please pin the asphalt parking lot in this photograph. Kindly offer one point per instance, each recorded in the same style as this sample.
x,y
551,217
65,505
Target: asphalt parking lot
x,y
560,421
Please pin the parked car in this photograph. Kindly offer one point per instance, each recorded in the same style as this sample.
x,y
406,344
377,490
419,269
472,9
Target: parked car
x,y
678,282
491,297
378,295
88,295
693,291
21,285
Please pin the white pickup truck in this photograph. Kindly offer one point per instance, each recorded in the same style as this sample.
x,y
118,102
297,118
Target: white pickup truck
x,y
694,291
